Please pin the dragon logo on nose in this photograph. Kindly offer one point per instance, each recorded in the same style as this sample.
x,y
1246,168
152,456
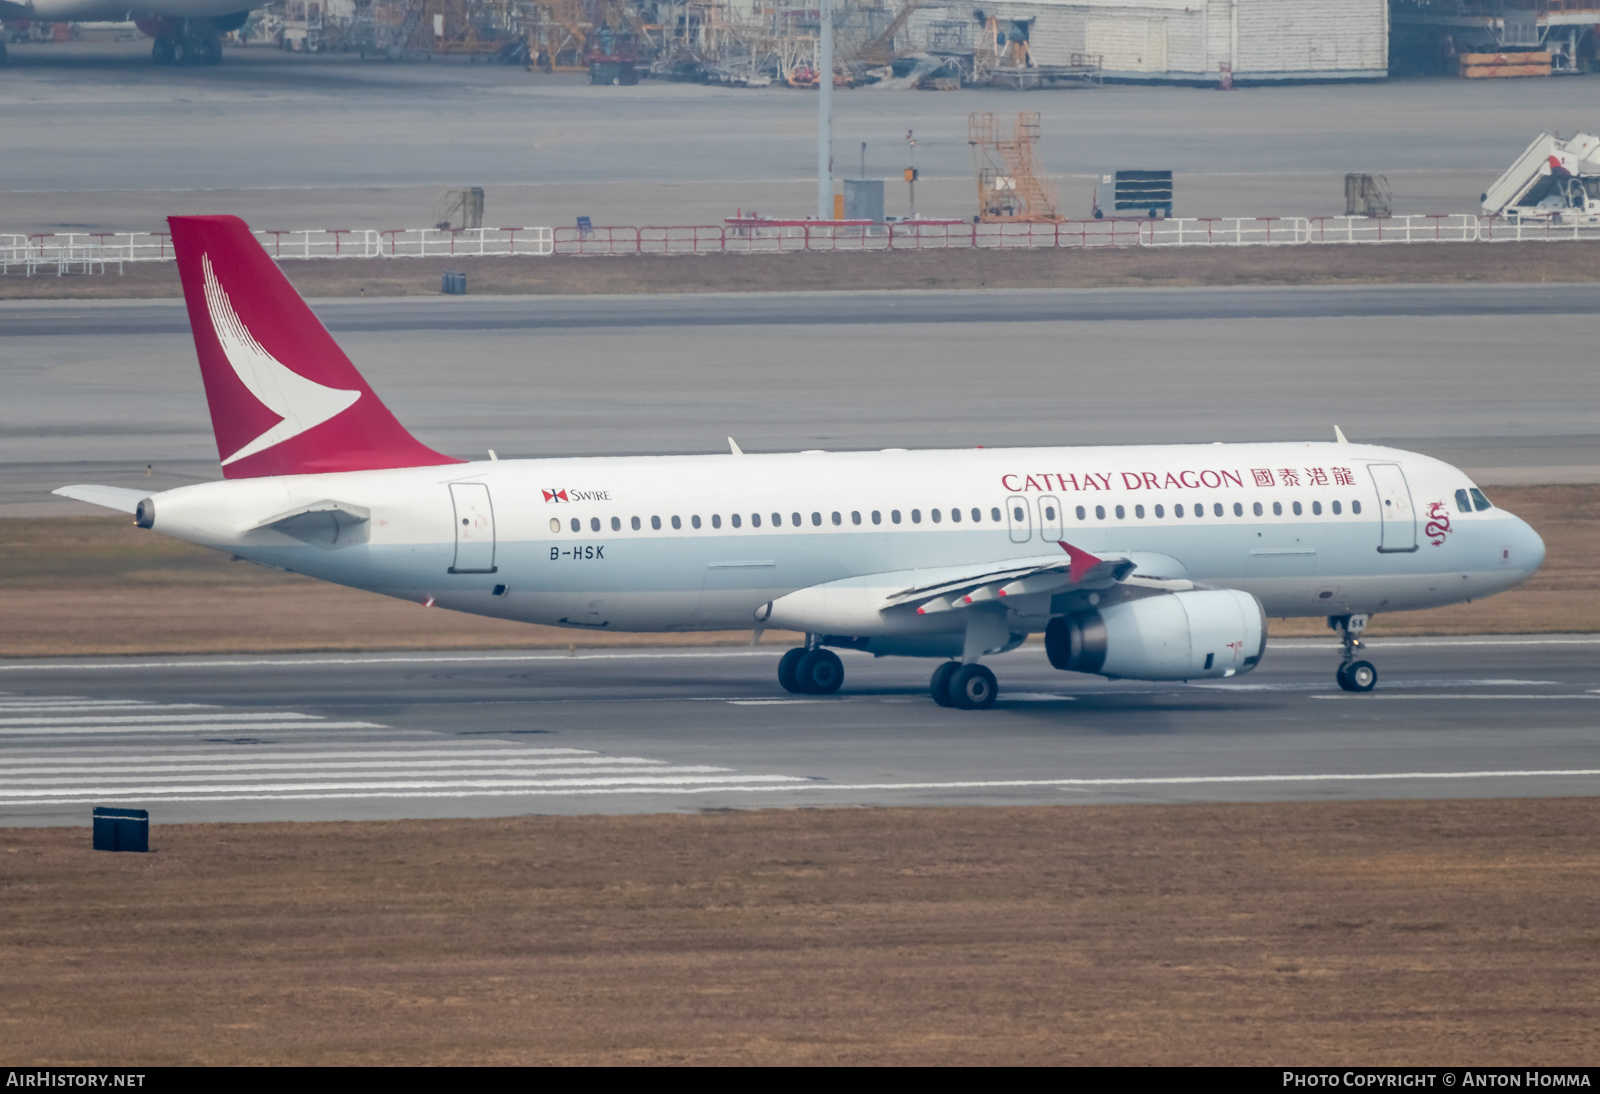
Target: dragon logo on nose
x,y
1438,523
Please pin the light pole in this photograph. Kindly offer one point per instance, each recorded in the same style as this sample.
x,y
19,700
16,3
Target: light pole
x,y
911,172
825,114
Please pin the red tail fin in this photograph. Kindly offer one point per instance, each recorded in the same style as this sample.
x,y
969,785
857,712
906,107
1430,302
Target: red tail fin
x,y
284,398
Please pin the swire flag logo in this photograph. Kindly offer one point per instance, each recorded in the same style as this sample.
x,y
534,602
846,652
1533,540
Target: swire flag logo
x,y
556,495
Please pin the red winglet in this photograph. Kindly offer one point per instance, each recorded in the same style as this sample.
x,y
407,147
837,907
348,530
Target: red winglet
x,y
1082,561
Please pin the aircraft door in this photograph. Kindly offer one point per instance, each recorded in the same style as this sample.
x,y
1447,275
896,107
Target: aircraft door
x,y
1050,519
1398,515
474,528
1019,515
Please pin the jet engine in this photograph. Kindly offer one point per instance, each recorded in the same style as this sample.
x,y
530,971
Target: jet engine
x,y
1172,636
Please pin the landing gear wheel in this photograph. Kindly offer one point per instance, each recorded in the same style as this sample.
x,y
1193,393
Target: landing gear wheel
x,y
939,686
1343,681
819,672
973,688
1359,676
786,675
211,51
164,51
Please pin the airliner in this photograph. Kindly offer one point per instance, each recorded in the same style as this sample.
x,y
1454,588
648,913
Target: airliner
x,y
1150,562
185,31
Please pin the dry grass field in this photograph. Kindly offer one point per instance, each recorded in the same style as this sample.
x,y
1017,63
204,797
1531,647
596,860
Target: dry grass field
x,y
1410,933
1016,269
97,585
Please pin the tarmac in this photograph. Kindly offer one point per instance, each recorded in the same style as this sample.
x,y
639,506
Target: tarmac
x,y
255,738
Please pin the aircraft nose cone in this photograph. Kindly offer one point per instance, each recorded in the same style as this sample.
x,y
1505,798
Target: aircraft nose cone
x,y
1527,548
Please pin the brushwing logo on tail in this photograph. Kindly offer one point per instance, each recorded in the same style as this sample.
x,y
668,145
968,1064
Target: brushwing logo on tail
x,y
301,403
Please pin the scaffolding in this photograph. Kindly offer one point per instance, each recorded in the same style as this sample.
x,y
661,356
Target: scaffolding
x,y
1011,182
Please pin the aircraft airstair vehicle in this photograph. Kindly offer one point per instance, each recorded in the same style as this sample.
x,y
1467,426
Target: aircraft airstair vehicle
x,y
1555,180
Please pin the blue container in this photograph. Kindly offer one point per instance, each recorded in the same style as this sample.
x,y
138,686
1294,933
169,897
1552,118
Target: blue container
x,y
454,284
121,829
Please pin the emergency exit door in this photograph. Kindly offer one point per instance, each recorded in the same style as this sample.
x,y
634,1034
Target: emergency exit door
x,y
1395,511
474,528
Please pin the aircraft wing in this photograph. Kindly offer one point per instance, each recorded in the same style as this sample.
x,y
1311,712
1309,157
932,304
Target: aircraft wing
x,y
119,498
1073,569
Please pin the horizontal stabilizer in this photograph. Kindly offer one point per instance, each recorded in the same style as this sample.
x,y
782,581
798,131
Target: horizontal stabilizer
x,y
119,498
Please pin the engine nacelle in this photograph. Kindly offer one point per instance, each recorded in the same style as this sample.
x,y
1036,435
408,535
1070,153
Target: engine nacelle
x,y
1173,636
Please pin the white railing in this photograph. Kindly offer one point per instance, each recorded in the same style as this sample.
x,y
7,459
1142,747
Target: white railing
x,y
70,252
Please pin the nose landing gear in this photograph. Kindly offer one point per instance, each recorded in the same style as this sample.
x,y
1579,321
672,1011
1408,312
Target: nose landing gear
x,y
1353,675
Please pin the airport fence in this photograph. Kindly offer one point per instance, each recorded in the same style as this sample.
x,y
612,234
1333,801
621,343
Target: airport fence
x,y
88,252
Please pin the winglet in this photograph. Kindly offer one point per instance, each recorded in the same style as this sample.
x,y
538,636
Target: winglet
x,y
1082,561
733,446
1338,435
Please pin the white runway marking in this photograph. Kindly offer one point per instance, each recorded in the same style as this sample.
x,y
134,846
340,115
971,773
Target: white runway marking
x,y
177,765
1379,695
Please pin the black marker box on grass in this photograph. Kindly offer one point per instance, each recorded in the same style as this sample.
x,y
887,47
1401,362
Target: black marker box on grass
x,y
121,829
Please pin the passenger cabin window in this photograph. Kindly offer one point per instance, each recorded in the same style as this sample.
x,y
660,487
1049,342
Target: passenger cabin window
x,y
1355,507
894,516
877,516
1177,510
1216,509
777,520
1138,511
1121,512
1277,508
716,520
795,519
1099,512
616,524
1479,502
577,526
977,516
1316,508
655,522
594,524
1200,510
1463,503
855,516
935,515
1256,508
735,519
555,524
816,520
677,523
955,516
916,516
1161,511
755,520
635,523
1238,510
1297,509
1336,509
1082,513
837,519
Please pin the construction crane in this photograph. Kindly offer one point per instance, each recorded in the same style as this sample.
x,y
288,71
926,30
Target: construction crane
x,y
880,50
1011,183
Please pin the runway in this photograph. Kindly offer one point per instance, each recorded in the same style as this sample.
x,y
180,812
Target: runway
x,y
491,734
97,391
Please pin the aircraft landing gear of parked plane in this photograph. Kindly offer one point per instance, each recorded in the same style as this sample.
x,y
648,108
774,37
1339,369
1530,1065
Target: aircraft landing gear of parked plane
x,y
187,50
965,687
810,670
1353,675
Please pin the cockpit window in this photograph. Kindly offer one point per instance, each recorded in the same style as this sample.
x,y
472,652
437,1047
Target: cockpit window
x,y
1462,504
1479,502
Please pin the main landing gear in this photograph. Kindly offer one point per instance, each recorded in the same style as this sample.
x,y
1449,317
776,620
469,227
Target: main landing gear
x,y
811,670
1353,675
965,687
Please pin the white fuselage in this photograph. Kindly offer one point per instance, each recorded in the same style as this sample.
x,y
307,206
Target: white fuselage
x,y
704,542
